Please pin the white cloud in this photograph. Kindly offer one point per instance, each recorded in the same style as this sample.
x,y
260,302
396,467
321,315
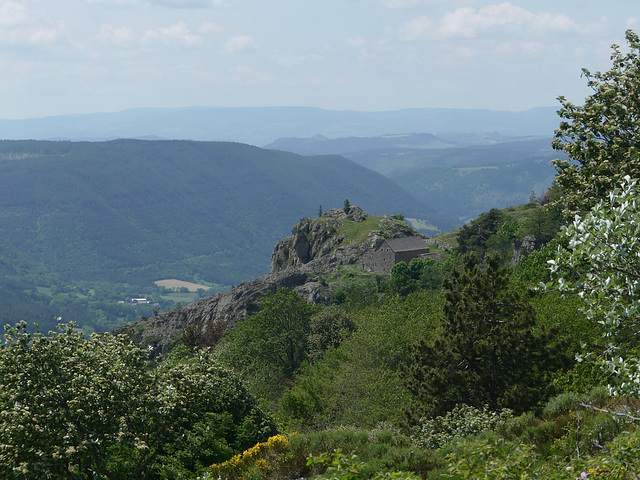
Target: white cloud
x,y
189,3
12,14
399,3
121,36
19,25
165,3
289,60
417,28
246,75
210,27
467,22
177,34
357,42
113,2
240,43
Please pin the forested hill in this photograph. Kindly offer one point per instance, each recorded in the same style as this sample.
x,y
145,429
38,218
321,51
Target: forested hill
x,y
137,211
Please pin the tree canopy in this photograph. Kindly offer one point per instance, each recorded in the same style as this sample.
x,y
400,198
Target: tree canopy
x,y
601,263
489,352
601,137
270,345
96,408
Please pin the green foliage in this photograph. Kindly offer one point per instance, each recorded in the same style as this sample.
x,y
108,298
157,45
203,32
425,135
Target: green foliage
x,y
359,383
81,408
342,467
383,450
601,263
462,421
270,346
488,353
327,329
575,439
420,274
473,237
601,137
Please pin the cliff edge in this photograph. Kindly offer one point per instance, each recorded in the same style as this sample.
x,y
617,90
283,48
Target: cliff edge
x,y
317,247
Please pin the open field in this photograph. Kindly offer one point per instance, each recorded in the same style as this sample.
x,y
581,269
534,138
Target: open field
x,y
174,284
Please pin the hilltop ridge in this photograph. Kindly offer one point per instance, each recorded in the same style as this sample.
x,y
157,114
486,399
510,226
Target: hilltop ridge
x,y
317,248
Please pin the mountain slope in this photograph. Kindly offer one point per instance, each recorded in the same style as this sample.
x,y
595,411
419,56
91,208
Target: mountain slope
x,y
331,247
459,181
137,211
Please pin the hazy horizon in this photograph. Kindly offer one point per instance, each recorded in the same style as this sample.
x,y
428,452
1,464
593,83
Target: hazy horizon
x,y
88,56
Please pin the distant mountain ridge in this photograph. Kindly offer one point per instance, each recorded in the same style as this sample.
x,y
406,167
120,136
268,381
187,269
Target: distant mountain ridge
x,y
263,125
321,145
459,180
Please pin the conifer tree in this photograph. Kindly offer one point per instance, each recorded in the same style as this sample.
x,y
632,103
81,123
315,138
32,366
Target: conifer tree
x,y
487,353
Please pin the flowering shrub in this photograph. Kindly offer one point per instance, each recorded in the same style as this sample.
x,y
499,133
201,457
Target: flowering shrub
x,y
343,467
462,421
256,462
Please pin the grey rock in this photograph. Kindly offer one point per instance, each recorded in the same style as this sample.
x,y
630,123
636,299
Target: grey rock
x,y
315,247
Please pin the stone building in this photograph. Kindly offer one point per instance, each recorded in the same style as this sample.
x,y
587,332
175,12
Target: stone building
x,y
392,251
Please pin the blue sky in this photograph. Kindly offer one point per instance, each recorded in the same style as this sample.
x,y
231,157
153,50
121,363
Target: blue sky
x,y
82,56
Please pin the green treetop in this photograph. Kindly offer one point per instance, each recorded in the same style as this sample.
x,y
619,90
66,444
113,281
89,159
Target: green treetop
x,y
77,408
601,137
488,353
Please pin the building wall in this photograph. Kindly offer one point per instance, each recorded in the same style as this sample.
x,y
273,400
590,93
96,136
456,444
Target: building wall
x,y
384,258
406,257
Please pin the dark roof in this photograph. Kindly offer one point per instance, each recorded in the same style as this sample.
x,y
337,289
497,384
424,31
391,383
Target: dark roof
x,y
407,244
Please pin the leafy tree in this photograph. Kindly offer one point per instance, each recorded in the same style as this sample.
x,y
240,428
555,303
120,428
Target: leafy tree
x,y
601,137
347,206
360,382
488,353
602,264
81,408
272,344
327,329
419,274
473,237
546,220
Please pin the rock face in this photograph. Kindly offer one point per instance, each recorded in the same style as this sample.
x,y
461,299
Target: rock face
x,y
522,248
316,246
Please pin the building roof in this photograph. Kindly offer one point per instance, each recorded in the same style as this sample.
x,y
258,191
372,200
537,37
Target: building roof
x,y
407,244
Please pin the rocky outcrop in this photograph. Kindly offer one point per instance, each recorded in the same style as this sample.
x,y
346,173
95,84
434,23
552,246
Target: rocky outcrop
x,y
522,248
316,246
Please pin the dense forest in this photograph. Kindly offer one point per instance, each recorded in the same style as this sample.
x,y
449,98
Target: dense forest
x,y
471,366
86,225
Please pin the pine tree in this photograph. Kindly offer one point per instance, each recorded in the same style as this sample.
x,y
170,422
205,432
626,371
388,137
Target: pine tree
x,y
487,353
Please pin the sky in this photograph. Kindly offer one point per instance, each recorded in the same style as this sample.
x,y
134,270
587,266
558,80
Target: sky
x,y
83,56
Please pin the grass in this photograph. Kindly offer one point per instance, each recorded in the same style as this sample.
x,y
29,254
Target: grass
x,y
526,210
357,232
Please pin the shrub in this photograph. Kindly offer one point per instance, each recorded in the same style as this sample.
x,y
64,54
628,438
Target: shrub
x,y
462,421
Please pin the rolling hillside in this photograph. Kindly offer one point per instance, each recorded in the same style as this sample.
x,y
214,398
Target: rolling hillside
x,y
457,179
137,211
